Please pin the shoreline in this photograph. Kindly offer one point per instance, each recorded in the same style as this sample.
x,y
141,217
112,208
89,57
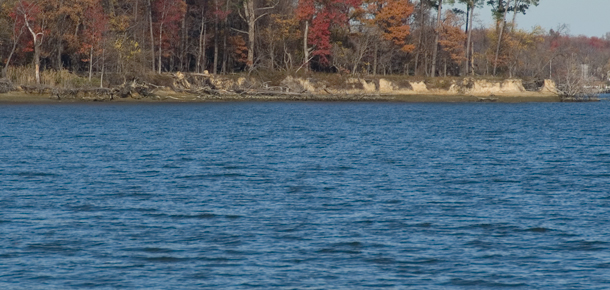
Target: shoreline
x,y
174,97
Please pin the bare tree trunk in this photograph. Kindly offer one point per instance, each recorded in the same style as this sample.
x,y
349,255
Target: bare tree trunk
x,y
216,32
160,48
90,63
37,38
13,49
503,25
421,35
306,46
225,55
59,53
37,46
201,52
514,15
152,37
437,35
183,42
376,58
472,59
215,65
251,20
103,67
469,38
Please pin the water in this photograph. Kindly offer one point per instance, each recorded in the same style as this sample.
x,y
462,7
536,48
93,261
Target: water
x,y
305,196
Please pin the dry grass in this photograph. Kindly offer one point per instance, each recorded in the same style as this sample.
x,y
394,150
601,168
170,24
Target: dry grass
x,y
24,76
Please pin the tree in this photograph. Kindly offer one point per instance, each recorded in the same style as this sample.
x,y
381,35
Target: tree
x,y
18,28
453,37
520,6
95,24
251,17
169,14
470,5
392,17
322,15
36,23
499,10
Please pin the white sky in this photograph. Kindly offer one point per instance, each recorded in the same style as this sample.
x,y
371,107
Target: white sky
x,y
583,17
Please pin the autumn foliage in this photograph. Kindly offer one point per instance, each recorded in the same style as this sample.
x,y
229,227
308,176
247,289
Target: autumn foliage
x,y
392,17
119,40
324,15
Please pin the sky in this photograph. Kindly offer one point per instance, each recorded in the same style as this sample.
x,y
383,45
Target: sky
x,y
583,17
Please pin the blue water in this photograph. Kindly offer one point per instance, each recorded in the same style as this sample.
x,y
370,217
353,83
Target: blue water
x,y
305,196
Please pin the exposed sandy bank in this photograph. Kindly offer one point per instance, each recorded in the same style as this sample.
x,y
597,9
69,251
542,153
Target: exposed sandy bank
x,y
207,88
173,97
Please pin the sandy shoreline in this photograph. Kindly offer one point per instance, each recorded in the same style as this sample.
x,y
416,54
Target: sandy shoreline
x,y
172,97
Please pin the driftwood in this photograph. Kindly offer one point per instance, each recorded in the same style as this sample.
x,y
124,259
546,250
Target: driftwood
x,y
6,86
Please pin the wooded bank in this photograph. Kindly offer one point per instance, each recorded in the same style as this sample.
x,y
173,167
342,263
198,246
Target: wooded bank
x,y
111,42
194,87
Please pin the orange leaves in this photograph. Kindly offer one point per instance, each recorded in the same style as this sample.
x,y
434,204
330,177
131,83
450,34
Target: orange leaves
x,y
453,37
392,17
240,49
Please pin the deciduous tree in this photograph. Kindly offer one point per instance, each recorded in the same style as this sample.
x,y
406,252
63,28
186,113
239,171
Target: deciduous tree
x,y
34,19
319,16
169,14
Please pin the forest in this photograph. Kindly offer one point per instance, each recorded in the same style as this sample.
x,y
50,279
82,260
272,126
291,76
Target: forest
x,y
106,42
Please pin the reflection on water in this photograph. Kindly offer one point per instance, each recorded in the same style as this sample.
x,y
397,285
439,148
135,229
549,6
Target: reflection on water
x,y
302,195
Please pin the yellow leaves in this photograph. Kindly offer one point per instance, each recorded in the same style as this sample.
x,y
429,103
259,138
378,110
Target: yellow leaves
x,y
283,27
120,23
128,48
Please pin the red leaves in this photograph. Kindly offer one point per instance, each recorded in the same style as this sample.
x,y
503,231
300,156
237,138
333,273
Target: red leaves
x,y
323,15
27,11
95,24
168,15
169,12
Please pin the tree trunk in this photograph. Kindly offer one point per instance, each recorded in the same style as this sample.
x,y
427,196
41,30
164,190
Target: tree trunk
x,y
472,59
420,37
437,35
183,41
251,20
502,26
469,38
216,32
201,52
376,58
37,38
215,65
514,15
152,37
90,63
37,46
160,48
305,46
13,49
59,53
103,67
225,55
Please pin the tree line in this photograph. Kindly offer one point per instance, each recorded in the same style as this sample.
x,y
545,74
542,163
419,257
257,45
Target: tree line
x,y
97,38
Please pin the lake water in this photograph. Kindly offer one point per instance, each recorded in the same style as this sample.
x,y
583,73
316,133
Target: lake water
x,y
305,196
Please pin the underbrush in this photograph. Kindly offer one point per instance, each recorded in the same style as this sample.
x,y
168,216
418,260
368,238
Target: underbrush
x,y
25,76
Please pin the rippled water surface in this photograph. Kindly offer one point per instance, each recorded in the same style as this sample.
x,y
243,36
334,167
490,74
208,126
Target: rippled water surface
x,y
305,196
